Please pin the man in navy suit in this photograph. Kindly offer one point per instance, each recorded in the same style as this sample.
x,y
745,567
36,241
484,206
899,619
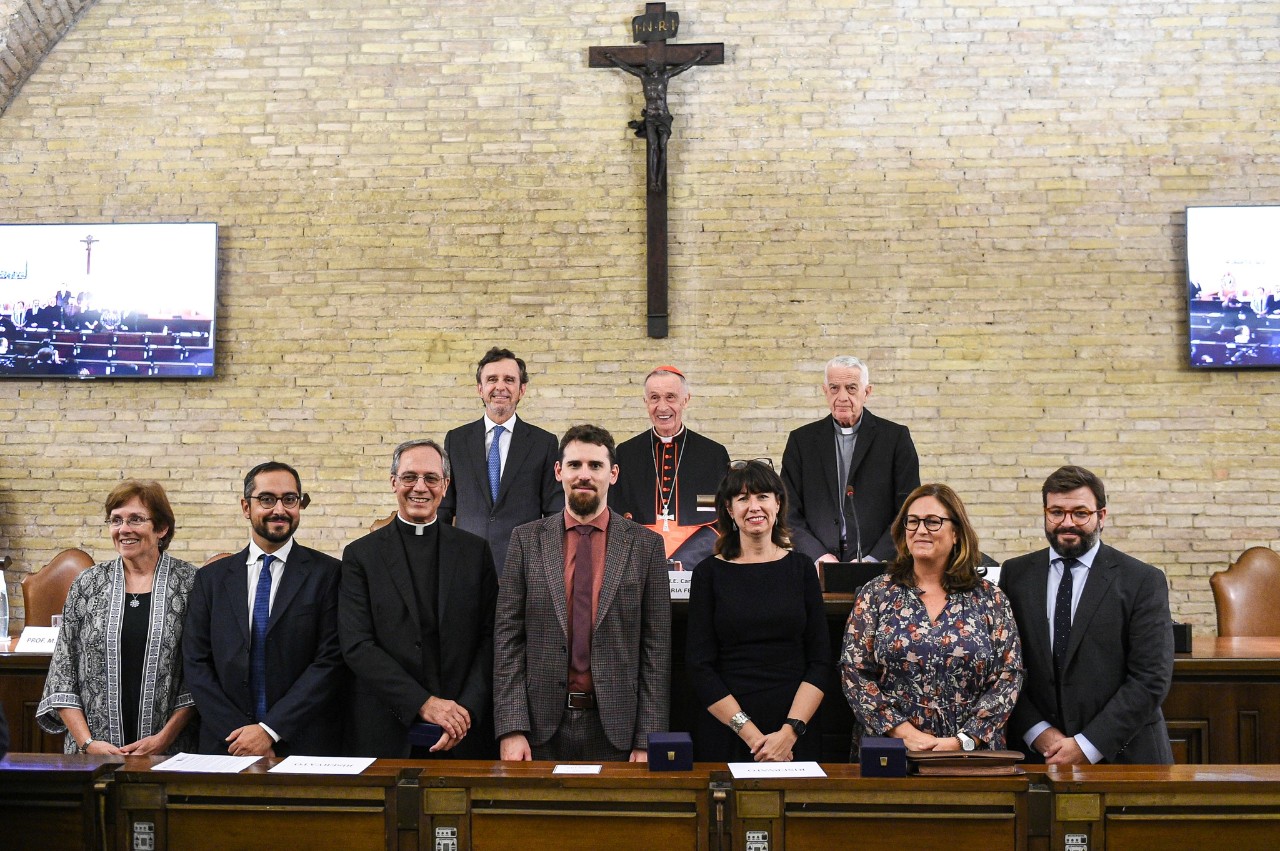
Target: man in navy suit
x,y
504,468
416,622
1097,638
848,473
261,638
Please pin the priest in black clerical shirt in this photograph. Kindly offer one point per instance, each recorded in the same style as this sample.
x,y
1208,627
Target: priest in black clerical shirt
x,y
415,618
663,471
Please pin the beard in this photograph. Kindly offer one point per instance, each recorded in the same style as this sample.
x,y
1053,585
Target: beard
x,y
263,528
584,504
1084,543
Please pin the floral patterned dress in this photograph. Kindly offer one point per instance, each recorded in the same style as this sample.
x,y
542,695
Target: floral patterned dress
x,y
960,672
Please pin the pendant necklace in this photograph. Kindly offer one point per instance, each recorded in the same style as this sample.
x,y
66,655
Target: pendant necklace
x,y
665,501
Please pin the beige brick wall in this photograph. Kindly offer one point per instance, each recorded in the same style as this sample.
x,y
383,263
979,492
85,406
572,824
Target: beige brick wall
x,y
985,198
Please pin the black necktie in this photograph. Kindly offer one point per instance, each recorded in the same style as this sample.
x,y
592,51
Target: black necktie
x,y
1062,616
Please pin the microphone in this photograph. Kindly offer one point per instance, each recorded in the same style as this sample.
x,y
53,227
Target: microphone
x,y
857,527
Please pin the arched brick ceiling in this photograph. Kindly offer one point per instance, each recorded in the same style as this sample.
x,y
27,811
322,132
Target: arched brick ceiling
x,y
29,29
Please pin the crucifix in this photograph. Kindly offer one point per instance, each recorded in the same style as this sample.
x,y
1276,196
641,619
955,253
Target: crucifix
x,y
88,251
655,64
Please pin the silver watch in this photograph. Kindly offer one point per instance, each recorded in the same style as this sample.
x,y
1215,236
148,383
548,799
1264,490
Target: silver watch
x,y
966,742
737,722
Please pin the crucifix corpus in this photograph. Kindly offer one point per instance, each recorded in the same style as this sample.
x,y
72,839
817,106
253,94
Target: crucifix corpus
x,y
655,64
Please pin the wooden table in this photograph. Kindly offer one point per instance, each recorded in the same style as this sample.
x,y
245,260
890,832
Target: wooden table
x,y
502,806
256,809
53,802
1136,808
22,677
848,810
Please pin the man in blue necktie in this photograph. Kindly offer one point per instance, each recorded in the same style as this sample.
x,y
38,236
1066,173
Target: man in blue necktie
x,y
261,638
504,467
1097,638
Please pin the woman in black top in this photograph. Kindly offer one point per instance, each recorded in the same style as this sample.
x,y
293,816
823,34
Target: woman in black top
x,y
758,652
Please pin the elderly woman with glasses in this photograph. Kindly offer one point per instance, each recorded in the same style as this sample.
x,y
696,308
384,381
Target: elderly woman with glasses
x,y
115,681
758,653
931,652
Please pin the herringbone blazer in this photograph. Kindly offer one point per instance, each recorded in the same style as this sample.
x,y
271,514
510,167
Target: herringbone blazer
x,y
630,643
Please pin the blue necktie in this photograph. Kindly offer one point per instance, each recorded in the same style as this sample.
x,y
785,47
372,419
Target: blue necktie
x,y
495,462
1062,616
258,649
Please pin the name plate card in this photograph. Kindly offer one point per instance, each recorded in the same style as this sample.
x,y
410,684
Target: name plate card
x,y
746,770
41,639
680,580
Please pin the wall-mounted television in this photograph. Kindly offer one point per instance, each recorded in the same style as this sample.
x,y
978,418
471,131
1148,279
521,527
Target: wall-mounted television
x,y
1233,278
94,300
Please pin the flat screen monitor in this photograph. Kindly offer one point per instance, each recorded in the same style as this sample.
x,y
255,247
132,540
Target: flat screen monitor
x,y
94,300
1233,279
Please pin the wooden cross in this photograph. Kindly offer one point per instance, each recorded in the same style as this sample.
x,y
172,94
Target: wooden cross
x,y
655,64
88,251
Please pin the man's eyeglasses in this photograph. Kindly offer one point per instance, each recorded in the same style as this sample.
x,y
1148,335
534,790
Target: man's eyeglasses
x,y
931,522
742,465
269,500
1079,516
133,521
431,480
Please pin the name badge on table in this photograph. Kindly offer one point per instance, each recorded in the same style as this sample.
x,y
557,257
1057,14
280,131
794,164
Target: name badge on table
x,y
37,639
680,580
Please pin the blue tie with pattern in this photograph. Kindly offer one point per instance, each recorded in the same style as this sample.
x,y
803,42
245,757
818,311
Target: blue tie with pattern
x,y
258,649
495,462
1062,616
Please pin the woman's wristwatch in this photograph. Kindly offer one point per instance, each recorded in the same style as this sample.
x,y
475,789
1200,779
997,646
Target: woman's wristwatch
x,y
85,747
738,721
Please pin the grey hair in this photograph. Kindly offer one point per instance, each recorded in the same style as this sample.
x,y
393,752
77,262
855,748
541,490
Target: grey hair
x,y
847,362
413,444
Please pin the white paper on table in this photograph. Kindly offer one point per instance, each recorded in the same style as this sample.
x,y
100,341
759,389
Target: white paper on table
x,y
747,770
680,582
577,769
210,764
322,765
37,639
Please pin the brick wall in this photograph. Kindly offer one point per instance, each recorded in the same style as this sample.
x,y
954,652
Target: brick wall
x,y
984,198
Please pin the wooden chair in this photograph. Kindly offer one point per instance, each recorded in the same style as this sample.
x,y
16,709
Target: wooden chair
x,y
1247,594
381,521
45,592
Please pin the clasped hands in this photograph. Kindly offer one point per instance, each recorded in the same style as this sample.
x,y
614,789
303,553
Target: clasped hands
x,y
917,740
453,718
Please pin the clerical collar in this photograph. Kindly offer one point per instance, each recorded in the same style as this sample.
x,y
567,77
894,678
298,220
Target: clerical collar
x,y
847,430
418,528
664,439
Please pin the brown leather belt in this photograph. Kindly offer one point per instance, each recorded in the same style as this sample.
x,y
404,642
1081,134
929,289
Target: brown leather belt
x,y
580,700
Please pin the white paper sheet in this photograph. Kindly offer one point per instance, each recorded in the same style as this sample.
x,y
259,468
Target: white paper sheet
x,y
37,639
576,769
322,765
745,770
206,763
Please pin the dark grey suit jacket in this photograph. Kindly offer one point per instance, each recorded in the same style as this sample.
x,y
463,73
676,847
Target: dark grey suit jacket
x,y
381,633
528,489
306,679
884,469
630,645
1119,661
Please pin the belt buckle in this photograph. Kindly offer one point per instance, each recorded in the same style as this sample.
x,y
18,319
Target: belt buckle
x,y
576,697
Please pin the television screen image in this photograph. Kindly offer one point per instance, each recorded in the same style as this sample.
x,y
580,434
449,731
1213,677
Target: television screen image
x,y
97,300
1233,277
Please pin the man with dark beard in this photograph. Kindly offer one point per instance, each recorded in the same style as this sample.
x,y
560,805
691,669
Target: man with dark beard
x,y
582,637
261,641
1097,638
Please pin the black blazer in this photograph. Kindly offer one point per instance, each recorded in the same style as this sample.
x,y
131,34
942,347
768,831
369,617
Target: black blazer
x,y
702,467
1119,661
305,675
528,490
381,636
883,471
